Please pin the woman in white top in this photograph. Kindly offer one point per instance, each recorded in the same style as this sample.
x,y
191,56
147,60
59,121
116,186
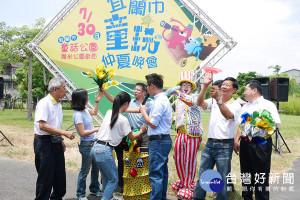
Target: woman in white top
x,y
114,127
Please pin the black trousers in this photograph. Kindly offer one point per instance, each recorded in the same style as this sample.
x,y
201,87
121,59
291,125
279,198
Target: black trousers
x,y
123,146
256,159
50,166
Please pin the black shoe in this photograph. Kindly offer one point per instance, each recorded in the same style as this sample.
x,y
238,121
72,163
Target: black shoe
x,y
119,189
230,187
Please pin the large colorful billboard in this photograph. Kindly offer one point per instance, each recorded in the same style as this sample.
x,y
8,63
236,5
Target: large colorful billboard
x,y
134,37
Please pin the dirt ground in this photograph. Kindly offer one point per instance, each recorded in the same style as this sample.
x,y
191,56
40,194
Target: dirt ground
x,y
22,139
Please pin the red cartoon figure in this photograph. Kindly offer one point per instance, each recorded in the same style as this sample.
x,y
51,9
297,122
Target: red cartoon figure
x,y
180,44
178,35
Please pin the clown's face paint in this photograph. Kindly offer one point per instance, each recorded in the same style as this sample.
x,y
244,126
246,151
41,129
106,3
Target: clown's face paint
x,y
186,87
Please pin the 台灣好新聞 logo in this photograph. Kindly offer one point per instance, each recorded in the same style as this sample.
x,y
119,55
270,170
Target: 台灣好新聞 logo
x,y
211,181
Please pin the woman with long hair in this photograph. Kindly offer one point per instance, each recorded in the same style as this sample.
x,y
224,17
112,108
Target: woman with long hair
x,y
84,125
114,127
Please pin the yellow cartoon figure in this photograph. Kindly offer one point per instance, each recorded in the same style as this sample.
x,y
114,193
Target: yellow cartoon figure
x,y
136,176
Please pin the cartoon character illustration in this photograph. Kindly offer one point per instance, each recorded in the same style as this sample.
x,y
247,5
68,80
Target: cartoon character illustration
x,y
194,46
178,35
180,44
210,42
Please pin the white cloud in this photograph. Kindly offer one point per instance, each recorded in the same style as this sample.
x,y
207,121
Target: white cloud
x,y
265,33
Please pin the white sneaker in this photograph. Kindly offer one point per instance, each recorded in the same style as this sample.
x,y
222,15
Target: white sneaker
x,y
82,198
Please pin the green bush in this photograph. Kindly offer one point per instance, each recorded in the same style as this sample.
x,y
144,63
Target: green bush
x,y
18,105
292,107
66,106
6,104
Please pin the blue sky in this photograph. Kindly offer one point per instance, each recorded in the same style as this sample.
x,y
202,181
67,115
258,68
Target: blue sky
x,y
25,12
275,40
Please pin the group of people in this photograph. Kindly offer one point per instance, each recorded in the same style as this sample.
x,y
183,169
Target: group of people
x,y
153,122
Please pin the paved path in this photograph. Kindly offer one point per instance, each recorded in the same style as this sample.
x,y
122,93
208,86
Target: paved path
x,y
17,181
18,178
287,191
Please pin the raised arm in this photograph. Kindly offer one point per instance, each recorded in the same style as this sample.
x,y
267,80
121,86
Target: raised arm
x,y
201,96
98,97
133,110
226,112
222,106
107,95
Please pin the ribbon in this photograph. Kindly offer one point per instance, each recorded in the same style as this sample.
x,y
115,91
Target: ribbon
x,y
129,142
259,140
257,127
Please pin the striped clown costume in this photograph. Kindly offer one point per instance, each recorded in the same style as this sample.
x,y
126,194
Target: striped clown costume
x,y
189,136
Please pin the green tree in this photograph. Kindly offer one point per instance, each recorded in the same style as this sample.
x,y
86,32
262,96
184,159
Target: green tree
x,y
243,79
294,86
38,87
276,69
13,50
7,52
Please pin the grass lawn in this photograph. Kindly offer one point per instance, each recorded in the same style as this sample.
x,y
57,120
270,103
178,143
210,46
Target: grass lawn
x,y
19,131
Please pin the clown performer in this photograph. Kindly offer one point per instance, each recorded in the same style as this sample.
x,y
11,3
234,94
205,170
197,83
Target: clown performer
x,y
189,136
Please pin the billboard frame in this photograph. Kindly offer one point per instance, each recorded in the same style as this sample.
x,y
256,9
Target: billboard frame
x,y
227,43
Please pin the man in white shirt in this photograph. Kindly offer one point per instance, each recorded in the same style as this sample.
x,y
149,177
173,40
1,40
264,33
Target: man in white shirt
x,y
48,144
255,158
223,117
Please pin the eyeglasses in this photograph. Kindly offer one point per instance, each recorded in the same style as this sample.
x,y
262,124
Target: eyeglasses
x,y
61,87
186,85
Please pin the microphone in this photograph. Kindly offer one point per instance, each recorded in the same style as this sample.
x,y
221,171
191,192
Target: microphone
x,y
145,99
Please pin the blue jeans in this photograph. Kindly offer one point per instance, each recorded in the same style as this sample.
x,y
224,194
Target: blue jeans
x,y
219,153
85,148
158,167
105,161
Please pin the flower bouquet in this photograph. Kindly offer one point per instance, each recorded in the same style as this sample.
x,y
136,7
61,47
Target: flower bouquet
x,y
102,77
257,127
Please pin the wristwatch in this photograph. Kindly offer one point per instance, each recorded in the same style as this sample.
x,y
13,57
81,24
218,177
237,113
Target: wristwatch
x,y
220,101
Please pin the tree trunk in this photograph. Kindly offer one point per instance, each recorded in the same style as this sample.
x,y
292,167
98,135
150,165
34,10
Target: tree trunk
x,y
45,81
29,100
12,104
3,103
